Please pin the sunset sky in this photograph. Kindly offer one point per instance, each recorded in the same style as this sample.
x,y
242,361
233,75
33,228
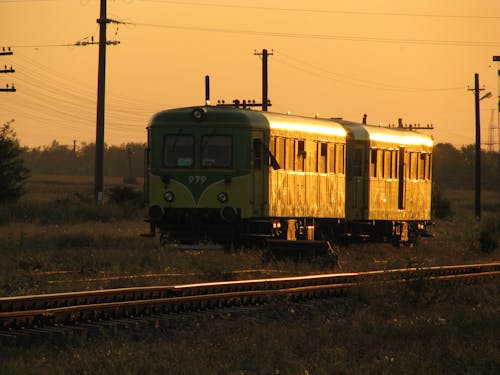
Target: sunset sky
x,y
413,59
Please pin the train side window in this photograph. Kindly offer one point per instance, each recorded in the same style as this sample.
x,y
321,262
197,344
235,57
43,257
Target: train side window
x,y
429,166
322,157
289,153
340,158
421,167
272,145
178,151
301,156
216,151
394,164
331,157
279,152
373,163
413,165
380,163
387,164
270,152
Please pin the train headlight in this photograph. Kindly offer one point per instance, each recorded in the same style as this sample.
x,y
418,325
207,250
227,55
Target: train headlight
x,y
222,197
169,196
199,113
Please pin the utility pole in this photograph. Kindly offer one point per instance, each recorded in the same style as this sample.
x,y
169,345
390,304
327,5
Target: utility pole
x,y
7,52
497,59
265,100
477,174
101,84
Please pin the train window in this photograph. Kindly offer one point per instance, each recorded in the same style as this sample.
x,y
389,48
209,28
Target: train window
x,y
178,150
394,164
413,165
279,151
289,153
387,163
373,163
421,167
301,156
340,158
216,151
429,166
322,157
380,163
331,157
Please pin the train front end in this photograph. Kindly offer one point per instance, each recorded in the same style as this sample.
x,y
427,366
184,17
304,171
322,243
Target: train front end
x,y
198,181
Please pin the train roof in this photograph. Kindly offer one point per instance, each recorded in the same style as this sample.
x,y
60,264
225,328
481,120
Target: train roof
x,y
231,116
397,136
246,117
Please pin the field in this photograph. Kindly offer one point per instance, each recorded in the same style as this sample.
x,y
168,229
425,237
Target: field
x,y
55,239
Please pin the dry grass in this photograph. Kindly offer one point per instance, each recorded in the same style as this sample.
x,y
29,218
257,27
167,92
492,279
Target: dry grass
x,y
414,330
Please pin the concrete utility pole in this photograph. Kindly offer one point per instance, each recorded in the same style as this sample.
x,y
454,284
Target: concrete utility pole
x,y
477,99
497,59
101,84
265,99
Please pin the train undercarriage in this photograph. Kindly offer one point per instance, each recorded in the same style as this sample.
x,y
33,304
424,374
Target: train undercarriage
x,y
224,226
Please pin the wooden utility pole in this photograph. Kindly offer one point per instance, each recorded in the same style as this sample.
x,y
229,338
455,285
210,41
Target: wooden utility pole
x,y
478,148
101,84
477,172
265,100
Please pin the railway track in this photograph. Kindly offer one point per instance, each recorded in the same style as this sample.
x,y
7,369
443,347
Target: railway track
x,y
49,313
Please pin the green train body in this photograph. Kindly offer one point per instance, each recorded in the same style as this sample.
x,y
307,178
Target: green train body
x,y
229,174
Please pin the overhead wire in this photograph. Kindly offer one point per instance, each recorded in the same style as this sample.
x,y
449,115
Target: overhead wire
x,y
322,72
350,38
324,11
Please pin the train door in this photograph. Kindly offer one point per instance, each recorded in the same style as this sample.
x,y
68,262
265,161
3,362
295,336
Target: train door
x,y
401,177
356,182
259,180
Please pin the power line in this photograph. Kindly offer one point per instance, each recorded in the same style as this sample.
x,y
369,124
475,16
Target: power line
x,y
316,70
324,11
351,38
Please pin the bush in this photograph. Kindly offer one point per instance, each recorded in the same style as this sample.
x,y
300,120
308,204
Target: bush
x,y
489,234
441,207
125,194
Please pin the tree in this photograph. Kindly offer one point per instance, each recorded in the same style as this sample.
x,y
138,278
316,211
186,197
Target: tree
x,y
13,173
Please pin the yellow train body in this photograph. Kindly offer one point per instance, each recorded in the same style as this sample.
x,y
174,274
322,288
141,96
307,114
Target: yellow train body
x,y
214,171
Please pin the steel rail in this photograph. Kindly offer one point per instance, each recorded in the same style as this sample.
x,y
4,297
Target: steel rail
x,y
46,301
220,294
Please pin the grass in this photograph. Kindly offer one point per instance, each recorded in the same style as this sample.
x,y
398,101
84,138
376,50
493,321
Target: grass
x,y
55,240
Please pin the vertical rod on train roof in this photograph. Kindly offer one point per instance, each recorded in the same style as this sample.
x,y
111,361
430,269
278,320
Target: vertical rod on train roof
x,y
207,90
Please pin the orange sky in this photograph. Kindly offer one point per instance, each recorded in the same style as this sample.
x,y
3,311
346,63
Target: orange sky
x,y
407,58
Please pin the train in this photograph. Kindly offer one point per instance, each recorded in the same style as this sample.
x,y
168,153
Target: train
x,y
229,174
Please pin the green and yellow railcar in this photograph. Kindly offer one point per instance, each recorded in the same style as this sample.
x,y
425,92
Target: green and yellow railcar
x,y
226,174
232,174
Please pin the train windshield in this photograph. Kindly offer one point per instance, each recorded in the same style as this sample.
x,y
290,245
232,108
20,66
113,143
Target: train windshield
x,y
216,151
178,151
